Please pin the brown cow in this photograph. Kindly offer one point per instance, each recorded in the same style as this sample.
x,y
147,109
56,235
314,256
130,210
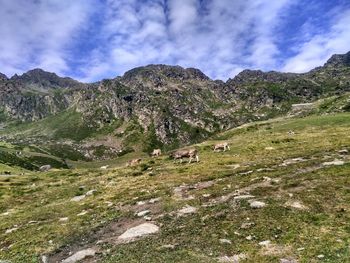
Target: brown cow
x,y
221,146
156,152
190,153
133,162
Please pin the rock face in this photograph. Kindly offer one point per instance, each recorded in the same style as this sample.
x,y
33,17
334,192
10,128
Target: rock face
x,y
161,106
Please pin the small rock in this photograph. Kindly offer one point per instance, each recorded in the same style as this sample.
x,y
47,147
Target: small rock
x,y
143,213
154,200
225,241
138,231
147,218
63,219
232,259
82,213
344,151
335,162
257,204
109,204
296,205
80,255
168,246
187,210
301,249
247,225
242,197
78,198
206,195
91,192
265,243
269,148
320,256
140,203
249,237
44,259
8,231
285,260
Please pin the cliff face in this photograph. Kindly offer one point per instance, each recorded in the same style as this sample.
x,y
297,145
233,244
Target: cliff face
x,y
163,105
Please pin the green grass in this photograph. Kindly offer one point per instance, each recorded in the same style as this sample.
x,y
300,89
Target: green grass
x,y
322,228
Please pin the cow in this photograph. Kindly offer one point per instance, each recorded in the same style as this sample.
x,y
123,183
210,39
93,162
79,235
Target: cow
x,y
133,162
190,153
221,146
156,152
45,168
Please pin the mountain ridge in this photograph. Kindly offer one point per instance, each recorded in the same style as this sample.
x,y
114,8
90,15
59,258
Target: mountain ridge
x,y
157,105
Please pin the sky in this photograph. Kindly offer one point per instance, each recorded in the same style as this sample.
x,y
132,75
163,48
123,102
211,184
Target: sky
x,y
90,40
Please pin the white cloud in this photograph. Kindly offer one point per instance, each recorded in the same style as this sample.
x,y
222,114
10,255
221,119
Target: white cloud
x,y
320,47
37,33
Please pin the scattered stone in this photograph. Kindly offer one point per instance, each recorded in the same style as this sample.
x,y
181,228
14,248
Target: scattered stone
x,y
257,204
139,231
204,185
246,173
320,256
63,219
154,200
143,213
140,203
232,259
296,205
82,213
104,167
78,198
44,259
225,241
147,218
169,246
249,237
80,255
109,204
344,151
265,243
247,225
301,249
187,210
206,195
243,197
292,161
335,162
265,170
91,192
285,260
269,148
234,166
8,231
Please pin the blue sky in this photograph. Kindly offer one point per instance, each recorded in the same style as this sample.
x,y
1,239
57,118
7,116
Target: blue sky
x,y
94,39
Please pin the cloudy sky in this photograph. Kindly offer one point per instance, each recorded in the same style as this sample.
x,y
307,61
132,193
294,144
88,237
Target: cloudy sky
x,y
94,39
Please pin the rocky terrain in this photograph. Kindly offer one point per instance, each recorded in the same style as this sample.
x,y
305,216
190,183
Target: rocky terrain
x,y
153,106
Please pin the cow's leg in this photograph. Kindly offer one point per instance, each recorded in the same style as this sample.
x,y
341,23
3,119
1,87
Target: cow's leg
x,y
228,147
197,158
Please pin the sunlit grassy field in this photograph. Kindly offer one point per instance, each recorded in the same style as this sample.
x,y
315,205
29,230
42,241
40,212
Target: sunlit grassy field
x,y
305,218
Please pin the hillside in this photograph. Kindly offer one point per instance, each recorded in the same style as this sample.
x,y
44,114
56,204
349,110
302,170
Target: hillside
x,y
152,106
276,196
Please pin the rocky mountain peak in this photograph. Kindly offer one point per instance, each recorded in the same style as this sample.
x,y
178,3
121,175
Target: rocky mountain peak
x,y
3,76
43,79
154,72
339,60
248,76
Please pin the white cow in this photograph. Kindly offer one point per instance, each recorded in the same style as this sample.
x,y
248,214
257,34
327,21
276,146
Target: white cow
x,y
190,153
156,152
221,146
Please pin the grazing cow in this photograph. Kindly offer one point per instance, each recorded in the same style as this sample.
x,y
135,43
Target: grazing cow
x,y
156,152
45,168
190,153
221,146
133,162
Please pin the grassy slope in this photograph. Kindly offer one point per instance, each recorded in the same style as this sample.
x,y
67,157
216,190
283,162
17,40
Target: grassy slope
x,y
320,229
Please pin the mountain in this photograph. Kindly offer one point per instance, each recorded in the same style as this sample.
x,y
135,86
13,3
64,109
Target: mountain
x,y
153,106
